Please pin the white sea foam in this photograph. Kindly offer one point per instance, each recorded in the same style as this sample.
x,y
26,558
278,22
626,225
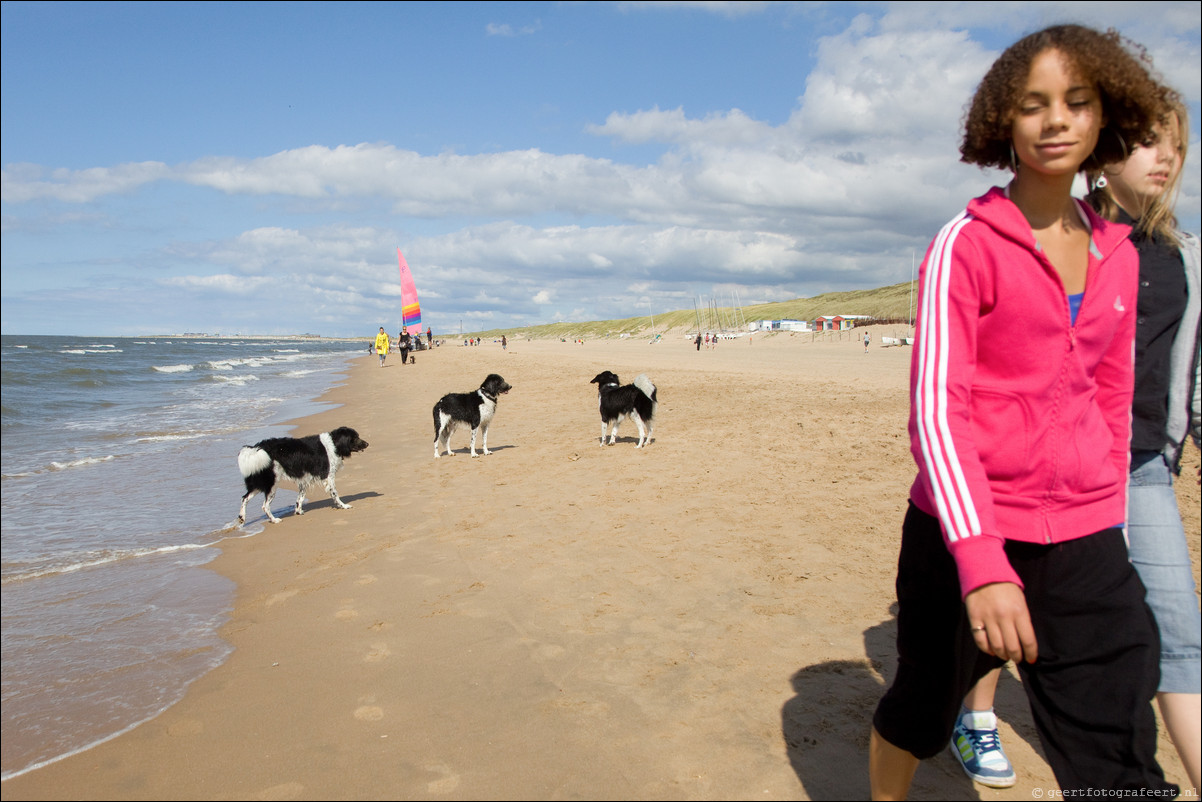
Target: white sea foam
x,y
159,438
95,559
79,463
173,368
238,380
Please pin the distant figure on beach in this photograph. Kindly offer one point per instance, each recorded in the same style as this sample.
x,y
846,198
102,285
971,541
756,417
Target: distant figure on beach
x,y
867,339
404,343
697,341
429,337
504,343
382,345
1012,547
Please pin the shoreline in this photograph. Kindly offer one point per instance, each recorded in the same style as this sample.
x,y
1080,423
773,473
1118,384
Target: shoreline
x,y
704,618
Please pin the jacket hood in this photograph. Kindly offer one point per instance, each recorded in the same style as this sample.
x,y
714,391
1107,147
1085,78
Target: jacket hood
x,y
996,210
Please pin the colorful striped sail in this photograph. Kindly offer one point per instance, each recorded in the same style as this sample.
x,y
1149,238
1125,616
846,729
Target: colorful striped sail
x,y
411,311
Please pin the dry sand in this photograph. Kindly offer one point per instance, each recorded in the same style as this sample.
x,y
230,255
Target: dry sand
x,y
706,618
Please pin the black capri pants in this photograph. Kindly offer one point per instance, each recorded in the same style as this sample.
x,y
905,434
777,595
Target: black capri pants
x,y
1090,689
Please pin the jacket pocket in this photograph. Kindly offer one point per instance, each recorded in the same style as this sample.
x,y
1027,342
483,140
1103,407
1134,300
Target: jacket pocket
x,y
1087,466
1001,428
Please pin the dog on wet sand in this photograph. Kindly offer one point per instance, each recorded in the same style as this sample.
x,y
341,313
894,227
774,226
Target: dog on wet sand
x,y
617,401
474,409
302,460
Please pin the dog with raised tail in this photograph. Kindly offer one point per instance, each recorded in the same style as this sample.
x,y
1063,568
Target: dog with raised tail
x,y
303,460
467,409
616,401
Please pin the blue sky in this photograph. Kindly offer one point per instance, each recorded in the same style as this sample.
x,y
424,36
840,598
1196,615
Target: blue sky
x,y
246,168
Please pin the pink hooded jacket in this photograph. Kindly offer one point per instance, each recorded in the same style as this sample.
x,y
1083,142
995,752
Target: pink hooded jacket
x,y
1019,419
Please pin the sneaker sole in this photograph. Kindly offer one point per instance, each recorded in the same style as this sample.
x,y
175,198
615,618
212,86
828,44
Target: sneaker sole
x,y
989,782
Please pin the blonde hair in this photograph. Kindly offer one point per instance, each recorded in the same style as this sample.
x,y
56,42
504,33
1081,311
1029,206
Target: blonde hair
x,y
1159,219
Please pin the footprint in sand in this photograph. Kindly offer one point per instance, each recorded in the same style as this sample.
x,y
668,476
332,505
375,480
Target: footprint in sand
x,y
378,652
369,713
282,791
445,784
348,611
279,597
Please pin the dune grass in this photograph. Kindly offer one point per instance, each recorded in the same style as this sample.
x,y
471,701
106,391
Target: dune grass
x,y
889,304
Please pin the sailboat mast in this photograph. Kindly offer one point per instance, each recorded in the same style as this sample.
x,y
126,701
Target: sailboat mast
x,y
911,319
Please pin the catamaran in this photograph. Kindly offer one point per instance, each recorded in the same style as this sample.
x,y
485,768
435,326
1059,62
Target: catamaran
x,y
411,310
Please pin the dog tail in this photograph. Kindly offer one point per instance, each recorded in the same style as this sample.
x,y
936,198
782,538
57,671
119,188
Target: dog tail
x,y
251,460
644,384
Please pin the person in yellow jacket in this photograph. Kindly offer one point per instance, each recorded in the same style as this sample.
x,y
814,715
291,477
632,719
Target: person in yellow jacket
x,y
382,345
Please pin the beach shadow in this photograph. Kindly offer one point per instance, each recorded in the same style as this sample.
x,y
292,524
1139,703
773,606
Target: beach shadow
x,y
466,451
633,440
826,724
314,504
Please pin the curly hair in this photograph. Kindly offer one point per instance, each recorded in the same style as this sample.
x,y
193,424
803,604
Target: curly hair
x,y
1132,100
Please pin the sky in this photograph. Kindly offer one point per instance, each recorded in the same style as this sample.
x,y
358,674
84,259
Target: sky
x,y
252,168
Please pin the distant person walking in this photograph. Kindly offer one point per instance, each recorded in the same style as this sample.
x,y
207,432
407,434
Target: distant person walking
x,y
867,339
697,341
382,345
429,336
504,343
404,342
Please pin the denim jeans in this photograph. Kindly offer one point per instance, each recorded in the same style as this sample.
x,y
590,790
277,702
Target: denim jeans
x,y
1159,552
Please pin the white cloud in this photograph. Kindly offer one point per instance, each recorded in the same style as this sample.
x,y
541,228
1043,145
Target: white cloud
x,y
839,195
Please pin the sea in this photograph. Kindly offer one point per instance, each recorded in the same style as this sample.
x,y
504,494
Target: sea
x,y
120,483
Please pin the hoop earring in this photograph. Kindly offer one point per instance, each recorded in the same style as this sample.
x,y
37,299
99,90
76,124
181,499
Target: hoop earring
x,y
1101,183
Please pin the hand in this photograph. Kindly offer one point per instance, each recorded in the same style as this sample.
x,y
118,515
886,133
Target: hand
x,y
1000,623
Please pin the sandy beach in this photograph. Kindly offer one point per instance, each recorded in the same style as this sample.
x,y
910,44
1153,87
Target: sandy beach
x,y
705,618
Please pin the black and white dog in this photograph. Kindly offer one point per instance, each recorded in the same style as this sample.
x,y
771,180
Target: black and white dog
x,y
303,460
616,401
467,409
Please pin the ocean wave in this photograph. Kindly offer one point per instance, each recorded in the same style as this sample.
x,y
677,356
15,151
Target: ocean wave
x,y
160,438
173,368
79,463
94,350
248,377
15,573
59,466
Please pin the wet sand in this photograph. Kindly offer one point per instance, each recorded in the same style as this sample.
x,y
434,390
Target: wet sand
x,y
705,618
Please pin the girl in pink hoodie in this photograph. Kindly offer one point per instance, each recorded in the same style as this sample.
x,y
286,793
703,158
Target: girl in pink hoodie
x,y
1021,386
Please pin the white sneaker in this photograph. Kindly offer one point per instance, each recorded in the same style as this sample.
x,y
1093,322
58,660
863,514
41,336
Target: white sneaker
x,y
978,748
